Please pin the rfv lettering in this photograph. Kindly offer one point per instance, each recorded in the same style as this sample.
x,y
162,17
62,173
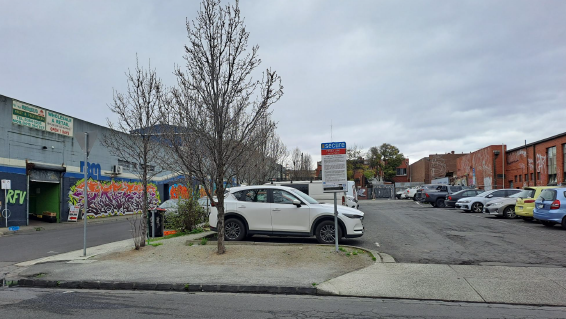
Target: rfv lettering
x,y
93,169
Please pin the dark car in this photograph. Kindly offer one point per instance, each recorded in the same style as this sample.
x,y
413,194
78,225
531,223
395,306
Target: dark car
x,y
453,198
426,187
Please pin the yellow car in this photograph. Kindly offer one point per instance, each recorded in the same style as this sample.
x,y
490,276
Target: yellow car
x,y
526,201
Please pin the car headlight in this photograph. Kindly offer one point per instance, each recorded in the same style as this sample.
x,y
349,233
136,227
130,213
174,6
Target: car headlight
x,y
496,204
465,201
353,216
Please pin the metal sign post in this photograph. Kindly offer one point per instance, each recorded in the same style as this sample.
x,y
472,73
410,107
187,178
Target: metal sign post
x,y
334,175
86,145
6,185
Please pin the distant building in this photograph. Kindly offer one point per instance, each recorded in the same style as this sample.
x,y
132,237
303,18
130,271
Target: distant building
x,y
435,166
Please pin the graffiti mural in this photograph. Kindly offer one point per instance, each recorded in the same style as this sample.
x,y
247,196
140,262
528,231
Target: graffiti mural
x,y
437,167
516,156
112,198
541,163
16,197
178,191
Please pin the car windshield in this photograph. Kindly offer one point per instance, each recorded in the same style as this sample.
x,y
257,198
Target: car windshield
x,y
305,197
171,203
527,193
484,194
516,195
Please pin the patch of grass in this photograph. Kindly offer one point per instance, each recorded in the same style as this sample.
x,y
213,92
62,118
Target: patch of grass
x,y
373,258
187,287
342,249
41,274
204,241
355,253
190,244
39,228
156,244
314,284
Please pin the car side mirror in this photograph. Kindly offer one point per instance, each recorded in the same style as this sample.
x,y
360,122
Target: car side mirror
x,y
297,202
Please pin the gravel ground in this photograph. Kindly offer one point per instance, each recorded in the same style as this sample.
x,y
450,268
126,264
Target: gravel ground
x,y
177,262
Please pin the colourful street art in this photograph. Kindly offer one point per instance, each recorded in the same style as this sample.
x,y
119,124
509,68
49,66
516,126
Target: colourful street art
x,y
112,198
178,191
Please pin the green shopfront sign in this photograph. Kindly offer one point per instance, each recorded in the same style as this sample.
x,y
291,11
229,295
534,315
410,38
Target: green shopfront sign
x,y
34,117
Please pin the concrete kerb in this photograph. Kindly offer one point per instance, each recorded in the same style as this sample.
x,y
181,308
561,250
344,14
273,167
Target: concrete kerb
x,y
44,226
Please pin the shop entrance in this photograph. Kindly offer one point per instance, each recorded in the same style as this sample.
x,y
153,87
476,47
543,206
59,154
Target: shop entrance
x,y
44,201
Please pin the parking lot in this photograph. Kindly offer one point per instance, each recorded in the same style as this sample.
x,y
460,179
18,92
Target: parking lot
x,y
419,233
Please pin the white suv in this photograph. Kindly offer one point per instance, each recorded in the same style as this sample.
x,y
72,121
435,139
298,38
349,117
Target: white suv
x,y
284,211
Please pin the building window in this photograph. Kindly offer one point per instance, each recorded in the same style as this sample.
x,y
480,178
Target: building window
x,y
532,177
526,177
520,179
538,176
401,172
551,158
515,178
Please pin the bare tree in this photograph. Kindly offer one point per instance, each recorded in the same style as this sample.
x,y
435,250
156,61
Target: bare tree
x,y
265,160
301,164
217,107
134,138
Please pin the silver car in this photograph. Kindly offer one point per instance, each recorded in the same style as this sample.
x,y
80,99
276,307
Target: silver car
x,y
502,207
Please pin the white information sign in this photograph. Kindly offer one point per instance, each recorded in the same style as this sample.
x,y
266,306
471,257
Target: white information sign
x,y
6,184
59,123
73,213
334,168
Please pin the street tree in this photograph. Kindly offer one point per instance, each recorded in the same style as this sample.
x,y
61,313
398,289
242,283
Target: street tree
x,y
384,160
301,163
132,138
217,107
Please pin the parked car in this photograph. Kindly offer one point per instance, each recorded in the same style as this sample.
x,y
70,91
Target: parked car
x,y
550,207
206,204
284,211
436,197
476,203
426,187
454,197
503,207
526,204
411,192
315,190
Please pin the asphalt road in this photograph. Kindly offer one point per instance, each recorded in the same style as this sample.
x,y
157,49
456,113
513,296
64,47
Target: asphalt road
x,y
45,303
33,245
417,233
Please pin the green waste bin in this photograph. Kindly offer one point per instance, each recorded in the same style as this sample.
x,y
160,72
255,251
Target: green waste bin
x,y
155,217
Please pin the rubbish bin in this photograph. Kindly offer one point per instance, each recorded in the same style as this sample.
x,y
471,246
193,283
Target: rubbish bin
x,y
155,217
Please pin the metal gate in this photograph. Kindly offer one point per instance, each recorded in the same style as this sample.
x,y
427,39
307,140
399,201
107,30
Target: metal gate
x,y
383,191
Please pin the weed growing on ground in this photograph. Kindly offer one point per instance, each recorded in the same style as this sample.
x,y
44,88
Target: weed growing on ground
x,y
190,244
314,284
204,241
156,244
187,287
342,249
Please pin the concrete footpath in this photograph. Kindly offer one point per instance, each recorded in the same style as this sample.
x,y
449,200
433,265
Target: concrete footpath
x,y
111,267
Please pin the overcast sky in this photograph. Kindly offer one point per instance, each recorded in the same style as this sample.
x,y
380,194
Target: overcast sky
x,y
426,76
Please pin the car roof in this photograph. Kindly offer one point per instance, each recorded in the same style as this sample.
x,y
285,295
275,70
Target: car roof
x,y
240,188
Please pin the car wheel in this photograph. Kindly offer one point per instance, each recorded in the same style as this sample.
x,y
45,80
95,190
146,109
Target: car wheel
x,y
325,232
509,212
415,198
234,230
547,223
477,207
564,222
440,203
433,204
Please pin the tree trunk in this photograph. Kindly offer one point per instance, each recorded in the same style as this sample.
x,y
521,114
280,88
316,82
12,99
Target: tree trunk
x,y
220,223
144,209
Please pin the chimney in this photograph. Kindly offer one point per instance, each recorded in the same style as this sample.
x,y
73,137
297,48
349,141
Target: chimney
x,y
452,152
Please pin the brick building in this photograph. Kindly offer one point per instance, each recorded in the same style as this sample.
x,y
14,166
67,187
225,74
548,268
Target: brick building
x,y
482,168
433,167
403,172
537,164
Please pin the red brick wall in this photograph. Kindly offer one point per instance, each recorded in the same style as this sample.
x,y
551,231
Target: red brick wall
x,y
403,179
441,164
419,171
481,162
533,160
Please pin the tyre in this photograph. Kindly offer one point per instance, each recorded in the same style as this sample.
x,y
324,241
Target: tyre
x,y
440,203
564,222
477,207
433,204
547,223
509,212
325,232
234,230
415,198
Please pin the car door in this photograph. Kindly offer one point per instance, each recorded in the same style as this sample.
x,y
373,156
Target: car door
x,y
286,216
253,205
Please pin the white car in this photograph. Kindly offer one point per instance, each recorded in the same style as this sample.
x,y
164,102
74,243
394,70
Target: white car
x,y
476,203
284,211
